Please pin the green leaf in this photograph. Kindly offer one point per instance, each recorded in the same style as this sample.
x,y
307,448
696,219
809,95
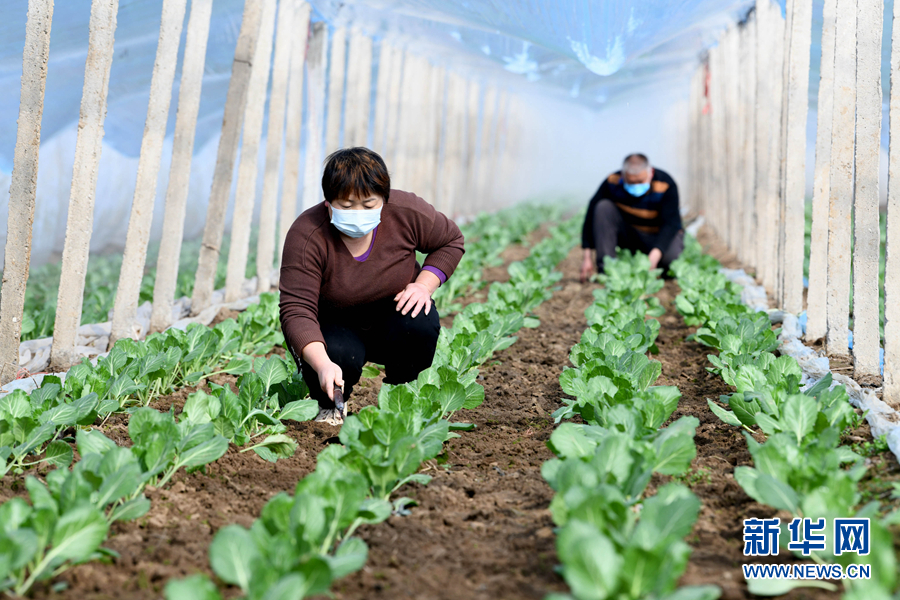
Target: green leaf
x,y
92,441
695,592
370,371
205,453
78,534
276,446
778,587
272,371
122,387
569,441
776,493
724,415
201,407
350,557
799,414
195,587
591,565
232,554
131,510
59,454
299,410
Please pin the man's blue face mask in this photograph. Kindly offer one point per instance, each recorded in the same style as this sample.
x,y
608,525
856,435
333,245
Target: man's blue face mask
x,y
637,189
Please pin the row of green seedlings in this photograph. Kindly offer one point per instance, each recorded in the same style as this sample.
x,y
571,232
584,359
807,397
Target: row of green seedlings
x,y
613,540
300,545
69,515
135,373
801,467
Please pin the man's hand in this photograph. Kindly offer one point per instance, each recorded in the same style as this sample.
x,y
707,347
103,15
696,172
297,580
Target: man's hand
x,y
415,297
587,265
655,256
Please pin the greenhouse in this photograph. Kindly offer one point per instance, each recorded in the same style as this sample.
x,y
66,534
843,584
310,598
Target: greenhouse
x,y
360,299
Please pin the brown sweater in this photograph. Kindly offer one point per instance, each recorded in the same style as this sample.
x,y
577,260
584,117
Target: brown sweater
x,y
319,276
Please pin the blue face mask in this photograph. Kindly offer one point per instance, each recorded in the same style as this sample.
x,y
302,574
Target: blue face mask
x,y
356,223
637,189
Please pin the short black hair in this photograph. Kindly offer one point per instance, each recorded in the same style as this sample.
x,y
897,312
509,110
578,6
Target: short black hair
x,y
357,171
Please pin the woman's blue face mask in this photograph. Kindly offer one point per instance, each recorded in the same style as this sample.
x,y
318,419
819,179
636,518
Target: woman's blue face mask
x,y
355,223
637,189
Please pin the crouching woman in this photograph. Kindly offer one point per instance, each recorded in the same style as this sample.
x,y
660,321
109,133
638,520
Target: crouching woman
x,y
351,289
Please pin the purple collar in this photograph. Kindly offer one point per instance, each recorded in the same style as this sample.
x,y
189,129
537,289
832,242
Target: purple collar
x,y
363,257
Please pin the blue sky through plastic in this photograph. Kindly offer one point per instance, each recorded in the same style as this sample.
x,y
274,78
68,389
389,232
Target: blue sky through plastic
x,y
597,52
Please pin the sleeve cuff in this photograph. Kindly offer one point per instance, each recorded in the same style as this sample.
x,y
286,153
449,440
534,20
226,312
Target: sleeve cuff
x,y
440,274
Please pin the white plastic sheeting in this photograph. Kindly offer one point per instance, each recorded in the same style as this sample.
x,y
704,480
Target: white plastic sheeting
x,y
630,58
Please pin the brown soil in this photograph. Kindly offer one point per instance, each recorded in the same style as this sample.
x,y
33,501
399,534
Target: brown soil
x,y
482,528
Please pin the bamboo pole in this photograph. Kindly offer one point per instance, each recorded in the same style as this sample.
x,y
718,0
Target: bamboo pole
x,y
892,264
841,188
235,103
867,236
134,257
248,168
794,197
281,67
80,221
431,157
180,170
486,148
23,187
817,317
717,125
735,141
409,114
294,126
317,66
359,90
335,99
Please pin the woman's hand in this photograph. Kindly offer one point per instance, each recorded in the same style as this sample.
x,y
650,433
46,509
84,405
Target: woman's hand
x,y
415,297
330,375
587,265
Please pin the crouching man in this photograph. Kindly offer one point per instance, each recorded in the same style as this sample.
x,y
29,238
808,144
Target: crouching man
x,y
635,209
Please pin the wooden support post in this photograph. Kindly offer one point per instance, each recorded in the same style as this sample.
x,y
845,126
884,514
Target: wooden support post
x,y
841,188
892,265
335,99
763,126
451,171
382,96
294,126
796,108
485,147
469,206
735,140
80,221
180,171
409,112
866,232
248,168
281,67
317,66
23,186
748,223
718,164
818,252
434,110
392,120
235,103
134,257
773,169
359,90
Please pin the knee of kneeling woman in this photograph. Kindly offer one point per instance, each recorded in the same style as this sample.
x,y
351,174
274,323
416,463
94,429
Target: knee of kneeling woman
x,y
421,327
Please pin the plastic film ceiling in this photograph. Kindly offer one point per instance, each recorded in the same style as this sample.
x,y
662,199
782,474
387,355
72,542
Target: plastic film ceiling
x,y
593,51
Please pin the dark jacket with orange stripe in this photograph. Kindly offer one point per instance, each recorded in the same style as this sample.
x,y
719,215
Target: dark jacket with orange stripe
x,y
655,213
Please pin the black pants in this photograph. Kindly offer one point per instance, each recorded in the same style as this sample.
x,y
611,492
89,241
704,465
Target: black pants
x,y
611,230
377,333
